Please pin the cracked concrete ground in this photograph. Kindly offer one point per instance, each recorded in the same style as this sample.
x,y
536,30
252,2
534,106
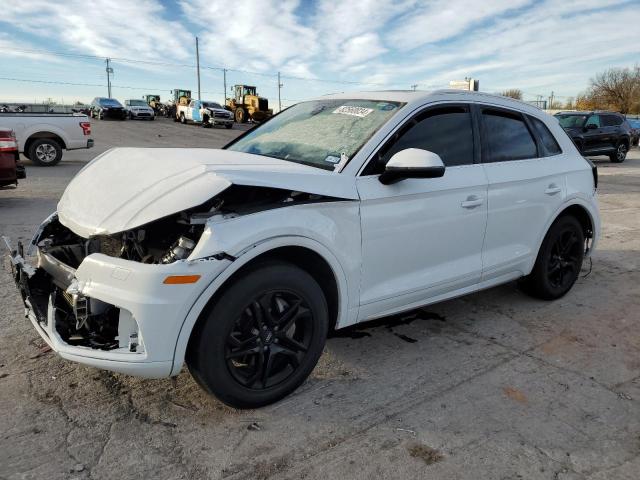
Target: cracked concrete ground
x,y
495,385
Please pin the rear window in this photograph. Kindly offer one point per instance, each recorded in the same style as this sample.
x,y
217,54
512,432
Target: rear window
x,y
506,137
546,137
571,121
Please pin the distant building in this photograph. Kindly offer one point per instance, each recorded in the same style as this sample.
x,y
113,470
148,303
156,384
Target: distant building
x,y
466,84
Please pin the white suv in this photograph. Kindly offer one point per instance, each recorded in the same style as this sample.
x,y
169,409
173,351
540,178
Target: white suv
x,y
336,211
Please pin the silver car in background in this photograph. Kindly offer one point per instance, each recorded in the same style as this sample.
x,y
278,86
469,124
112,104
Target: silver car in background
x,y
139,109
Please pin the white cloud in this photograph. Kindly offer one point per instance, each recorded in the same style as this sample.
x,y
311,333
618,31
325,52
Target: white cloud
x,y
264,34
535,46
442,19
116,28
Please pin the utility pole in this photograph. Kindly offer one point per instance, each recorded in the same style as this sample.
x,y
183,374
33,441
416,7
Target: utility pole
x,y
280,85
414,86
198,67
224,97
109,72
551,100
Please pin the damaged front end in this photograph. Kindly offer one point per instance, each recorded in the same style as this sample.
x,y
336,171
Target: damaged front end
x,y
52,289
106,301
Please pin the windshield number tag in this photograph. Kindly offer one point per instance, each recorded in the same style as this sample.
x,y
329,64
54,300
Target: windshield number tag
x,y
353,111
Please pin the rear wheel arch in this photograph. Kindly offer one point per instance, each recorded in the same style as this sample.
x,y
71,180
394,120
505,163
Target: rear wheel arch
x,y
38,135
582,215
575,209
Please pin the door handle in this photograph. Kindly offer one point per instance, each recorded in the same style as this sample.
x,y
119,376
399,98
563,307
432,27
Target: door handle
x,y
472,201
552,189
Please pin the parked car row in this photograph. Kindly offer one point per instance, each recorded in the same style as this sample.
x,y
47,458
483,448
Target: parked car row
x,y
205,113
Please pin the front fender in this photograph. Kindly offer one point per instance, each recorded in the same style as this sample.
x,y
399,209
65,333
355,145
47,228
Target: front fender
x,y
331,230
346,315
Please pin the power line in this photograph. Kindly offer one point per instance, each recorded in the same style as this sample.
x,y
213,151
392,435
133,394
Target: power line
x,y
208,67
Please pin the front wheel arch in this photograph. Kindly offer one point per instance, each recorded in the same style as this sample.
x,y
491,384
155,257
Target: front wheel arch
x,y
270,248
301,257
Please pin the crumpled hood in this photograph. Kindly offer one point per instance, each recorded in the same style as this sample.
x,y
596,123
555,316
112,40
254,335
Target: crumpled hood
x,y
127,187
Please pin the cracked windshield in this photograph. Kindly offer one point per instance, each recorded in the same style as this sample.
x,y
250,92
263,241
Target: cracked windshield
x,y
322,133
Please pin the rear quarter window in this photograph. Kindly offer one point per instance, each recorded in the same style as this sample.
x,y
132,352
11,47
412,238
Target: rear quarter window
x,y
549,142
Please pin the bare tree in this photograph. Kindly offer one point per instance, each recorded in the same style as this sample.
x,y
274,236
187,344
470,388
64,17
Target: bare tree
x,y
569,105
512,93
618,88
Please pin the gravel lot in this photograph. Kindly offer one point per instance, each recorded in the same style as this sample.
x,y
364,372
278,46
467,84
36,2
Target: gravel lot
x,y
493,385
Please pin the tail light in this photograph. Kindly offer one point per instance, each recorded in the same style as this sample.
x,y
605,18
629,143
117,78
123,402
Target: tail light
x,y
86,128
8,142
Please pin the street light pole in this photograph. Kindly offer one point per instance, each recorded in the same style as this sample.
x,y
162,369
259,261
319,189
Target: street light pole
x,y
280,85
224,96
198,67
109,72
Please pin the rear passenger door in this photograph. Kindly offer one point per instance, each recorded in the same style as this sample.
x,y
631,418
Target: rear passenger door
x,y
612,130
524,168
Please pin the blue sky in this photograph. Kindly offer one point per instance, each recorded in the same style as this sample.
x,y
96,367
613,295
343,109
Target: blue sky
x,y
536,46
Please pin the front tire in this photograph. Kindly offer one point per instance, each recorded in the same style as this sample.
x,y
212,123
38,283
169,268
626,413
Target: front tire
x,y
559,260
45,152
240,115
183,119
262,337
620,153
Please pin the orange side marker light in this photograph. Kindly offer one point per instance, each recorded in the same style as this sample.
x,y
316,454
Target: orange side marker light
x,y
181,279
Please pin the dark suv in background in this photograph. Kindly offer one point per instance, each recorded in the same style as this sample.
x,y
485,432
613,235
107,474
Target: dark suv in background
x,y
598,133
102,108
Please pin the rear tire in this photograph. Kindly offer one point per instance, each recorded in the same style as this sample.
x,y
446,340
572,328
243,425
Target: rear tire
x,y
183,119
559,260
620,154
262,337
45,152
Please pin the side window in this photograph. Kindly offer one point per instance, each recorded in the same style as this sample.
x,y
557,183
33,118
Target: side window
x,y
446,131
506,137
593,120
611,120
547,138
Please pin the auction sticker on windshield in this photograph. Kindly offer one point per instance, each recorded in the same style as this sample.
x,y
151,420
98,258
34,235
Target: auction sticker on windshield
x,y
355,111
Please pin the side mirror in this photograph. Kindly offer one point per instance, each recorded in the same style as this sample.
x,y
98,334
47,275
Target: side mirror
x,y
412,163
590,126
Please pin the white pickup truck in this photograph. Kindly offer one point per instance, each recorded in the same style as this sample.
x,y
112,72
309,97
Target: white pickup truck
x,y
42,136
206,113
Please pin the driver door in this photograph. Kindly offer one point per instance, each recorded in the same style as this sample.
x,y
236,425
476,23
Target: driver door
x,y
423,237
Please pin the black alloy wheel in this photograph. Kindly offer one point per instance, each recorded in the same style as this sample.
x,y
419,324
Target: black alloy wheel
x,y
565,259
559,260
269,340
262,336
620,154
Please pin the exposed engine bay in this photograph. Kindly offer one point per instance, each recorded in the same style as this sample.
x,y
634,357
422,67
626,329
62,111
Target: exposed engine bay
x,y
89,322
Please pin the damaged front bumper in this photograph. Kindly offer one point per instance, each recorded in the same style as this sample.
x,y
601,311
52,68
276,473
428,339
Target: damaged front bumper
x,y
110,313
